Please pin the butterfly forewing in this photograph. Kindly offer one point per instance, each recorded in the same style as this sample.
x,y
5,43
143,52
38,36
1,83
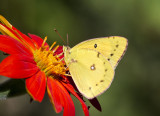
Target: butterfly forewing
x,y
113,48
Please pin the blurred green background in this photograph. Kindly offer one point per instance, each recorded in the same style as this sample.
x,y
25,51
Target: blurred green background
x,y
135,90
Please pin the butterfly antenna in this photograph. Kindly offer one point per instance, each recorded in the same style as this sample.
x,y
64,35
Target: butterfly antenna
x,y
59,36
67,40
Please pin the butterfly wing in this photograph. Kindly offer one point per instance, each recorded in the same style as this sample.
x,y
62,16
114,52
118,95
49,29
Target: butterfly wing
x,y
113,48
90,70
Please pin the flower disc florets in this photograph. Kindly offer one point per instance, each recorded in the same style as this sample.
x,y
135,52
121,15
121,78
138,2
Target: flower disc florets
x,y
49,63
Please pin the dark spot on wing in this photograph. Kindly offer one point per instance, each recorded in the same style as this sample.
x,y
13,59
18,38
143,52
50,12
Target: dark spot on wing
x,y
95,45
101,80
105,70
108,59
93,67
96,84
72,60
90,88
117,46
111,54
114,49
98,54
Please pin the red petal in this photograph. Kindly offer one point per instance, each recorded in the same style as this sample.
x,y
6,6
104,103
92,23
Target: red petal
x,y
36,86
60,97
26,38
18,66
38,40
7,28
59,51
12,46
71,89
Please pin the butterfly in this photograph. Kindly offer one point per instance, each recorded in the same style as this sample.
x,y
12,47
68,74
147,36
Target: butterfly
x,y
92,63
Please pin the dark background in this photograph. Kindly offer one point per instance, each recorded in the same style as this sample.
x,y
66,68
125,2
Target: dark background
x,y
135,90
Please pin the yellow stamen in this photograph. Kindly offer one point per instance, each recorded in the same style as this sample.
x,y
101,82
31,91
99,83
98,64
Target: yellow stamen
x,y
55,48
44,41
52,46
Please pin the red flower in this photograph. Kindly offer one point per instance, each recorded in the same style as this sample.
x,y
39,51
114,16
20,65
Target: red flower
x,y
41,66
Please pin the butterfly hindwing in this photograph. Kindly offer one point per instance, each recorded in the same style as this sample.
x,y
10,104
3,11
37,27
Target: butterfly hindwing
x,y
91,71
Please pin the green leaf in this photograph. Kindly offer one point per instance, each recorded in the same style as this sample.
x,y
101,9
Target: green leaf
x,y
11,88
3,95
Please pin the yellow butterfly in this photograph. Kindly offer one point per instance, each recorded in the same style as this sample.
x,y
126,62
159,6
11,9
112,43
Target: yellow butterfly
x,y
92,63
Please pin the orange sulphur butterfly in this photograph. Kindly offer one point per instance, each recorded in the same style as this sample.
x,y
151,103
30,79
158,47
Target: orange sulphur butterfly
x,y
92,63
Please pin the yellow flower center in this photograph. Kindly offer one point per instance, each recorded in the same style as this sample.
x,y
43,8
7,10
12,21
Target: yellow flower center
x,y
51,64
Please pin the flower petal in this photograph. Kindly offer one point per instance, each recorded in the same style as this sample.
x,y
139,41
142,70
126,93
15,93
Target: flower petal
x,y
5,30
38,40
71,89
36,85
26,38
18,66
60,97
12,46
59,51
